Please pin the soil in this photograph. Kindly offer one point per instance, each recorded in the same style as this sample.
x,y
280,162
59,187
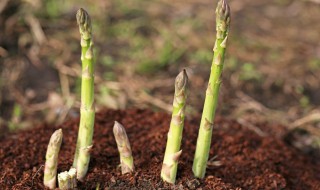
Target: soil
x,y
242,159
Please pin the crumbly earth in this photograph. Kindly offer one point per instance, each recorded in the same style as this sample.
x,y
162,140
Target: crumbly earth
x,y
239,158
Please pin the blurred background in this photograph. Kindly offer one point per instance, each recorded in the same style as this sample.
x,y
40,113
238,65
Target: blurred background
x,y
271,72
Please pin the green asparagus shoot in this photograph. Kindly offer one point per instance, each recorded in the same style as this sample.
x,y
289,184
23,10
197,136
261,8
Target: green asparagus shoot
x,y
124,148
87,110
173,152
210,104
50,170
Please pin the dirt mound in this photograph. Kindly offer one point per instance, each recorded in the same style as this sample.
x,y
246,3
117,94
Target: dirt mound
x,y
242,159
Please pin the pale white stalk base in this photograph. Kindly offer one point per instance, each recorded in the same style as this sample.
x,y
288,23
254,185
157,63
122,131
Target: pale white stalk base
x,y
68,180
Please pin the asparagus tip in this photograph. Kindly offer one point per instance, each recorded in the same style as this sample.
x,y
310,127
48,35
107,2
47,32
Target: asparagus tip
x,y
181,80
117,128
84,22
223,10
57,136
82,16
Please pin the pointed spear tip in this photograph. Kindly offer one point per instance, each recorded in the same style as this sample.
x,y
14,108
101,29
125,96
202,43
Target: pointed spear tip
x,y
57,135
185,72
181,80
81,16
223,10
117,127
59,132
117,124
84,22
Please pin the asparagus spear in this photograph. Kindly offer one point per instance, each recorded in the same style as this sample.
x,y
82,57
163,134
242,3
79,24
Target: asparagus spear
x,y
50,170
210,104
124,148
87,110
173,152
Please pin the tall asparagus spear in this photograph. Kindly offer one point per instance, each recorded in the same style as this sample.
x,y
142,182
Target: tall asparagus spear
x,y
50,169
172,153
124,148
210,104
87,111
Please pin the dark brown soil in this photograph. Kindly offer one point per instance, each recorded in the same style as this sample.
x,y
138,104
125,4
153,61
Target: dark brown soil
x,y
247,160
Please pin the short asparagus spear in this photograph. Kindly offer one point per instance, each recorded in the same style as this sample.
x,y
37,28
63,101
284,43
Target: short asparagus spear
x,y
87,110
124,148
210,104
172,153
50,169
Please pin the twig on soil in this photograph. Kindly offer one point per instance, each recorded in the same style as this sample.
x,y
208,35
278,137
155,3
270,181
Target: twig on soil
x,y
36,29
3,5
36,174
314,1
64,82
251,127
155,101
249,104
214,163
3,52
312,117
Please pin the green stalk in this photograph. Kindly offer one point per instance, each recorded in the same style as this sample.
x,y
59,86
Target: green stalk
x,y
124,148
87,111
173,152
50,169
210,104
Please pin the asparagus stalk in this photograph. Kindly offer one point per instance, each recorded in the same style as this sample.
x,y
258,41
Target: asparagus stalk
x,y
67,180
124,148
73,178
50,170
210,104
87,110
64,181
173,152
